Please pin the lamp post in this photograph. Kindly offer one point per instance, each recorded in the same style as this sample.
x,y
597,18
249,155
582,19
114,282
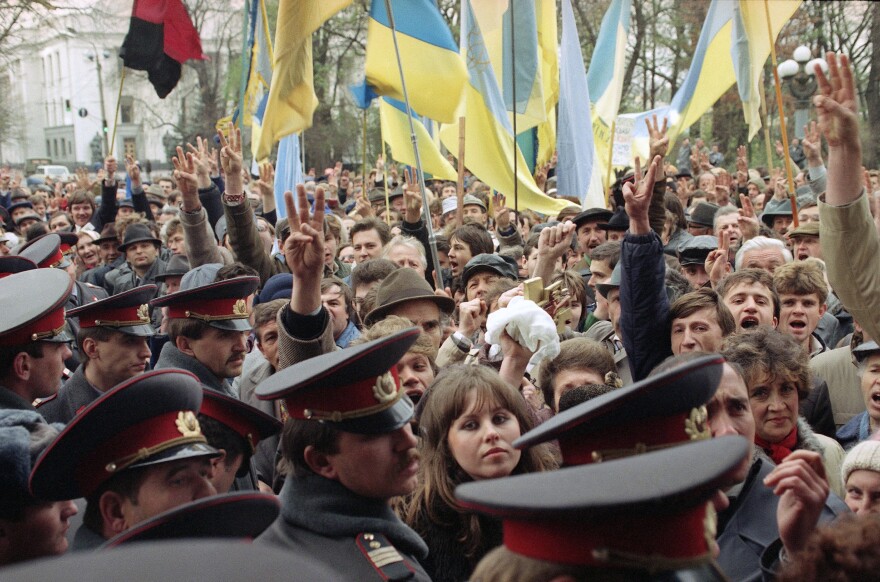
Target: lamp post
x,y
799,75
97,59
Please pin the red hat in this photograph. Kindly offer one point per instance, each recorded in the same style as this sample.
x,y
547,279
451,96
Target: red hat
x,y
221,304
34,307
649,512
147,420
357,388
253,425
661,410
126,312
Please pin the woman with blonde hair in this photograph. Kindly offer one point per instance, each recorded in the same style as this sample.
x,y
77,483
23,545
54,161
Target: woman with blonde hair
x,y
468,424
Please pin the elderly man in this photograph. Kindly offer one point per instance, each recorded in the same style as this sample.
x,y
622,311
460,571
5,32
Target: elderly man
x,y
762,252
588,230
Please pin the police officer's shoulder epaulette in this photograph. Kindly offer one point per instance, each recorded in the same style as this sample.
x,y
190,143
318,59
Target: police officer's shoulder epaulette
x,y
384,557
45,400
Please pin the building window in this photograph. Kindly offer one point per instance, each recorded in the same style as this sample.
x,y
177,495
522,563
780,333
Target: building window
x,y
126,110
48,149
129,146
70,149
63,147
55,144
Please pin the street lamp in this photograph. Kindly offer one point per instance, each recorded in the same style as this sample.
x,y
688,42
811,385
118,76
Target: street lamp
x,y
97,60
799,75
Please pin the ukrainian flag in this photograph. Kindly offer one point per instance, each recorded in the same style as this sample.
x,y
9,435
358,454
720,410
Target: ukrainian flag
x,y
605,79
395,132
435,73
256,95
489,145
547,42
512,44
292,100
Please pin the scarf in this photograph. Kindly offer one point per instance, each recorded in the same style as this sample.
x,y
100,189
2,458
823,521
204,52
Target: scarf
x,y
328,508
778,451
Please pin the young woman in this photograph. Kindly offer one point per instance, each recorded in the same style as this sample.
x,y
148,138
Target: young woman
x,y
468,424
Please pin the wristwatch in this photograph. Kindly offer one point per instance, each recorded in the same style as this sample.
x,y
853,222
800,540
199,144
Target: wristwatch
x,y
462,342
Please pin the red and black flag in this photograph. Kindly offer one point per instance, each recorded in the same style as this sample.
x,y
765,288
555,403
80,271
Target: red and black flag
x,y
161,37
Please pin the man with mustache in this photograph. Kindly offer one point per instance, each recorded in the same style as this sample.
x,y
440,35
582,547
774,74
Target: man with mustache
x,y
112,344
348,446
207,329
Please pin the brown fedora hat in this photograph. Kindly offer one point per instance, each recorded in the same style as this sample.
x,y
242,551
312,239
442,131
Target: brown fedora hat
x,y
401,286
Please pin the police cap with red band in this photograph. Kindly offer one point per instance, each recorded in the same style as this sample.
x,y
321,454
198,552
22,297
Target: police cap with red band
x,y
147,420
649,512
45,251
127,312
240,515
656,412
357,389
33,307
11,264
251,424
222,304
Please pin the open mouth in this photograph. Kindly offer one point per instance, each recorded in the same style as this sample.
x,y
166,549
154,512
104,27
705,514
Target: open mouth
x,y
749,322
875,398
799,325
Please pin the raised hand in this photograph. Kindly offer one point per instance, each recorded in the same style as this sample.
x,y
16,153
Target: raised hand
x,y
471,315
541,176
203,162
230,152
748,220
802,487
722,186
304,248
658,138
742,165
266,183
717,263
82,179
780,151
812,144
110,167
412,196
837,105
502,213
638,196
187,180
695,160
134,172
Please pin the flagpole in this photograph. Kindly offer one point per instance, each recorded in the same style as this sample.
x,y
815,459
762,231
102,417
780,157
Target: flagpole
x,y
610,165
364,158
513,96
459,191
426,211
778,85
116,115
765,122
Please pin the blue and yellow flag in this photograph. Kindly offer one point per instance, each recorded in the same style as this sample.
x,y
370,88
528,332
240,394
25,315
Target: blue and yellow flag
x,y
489,144
292,100
510,33
605,78
256,94
435,74
395,132
578,172
547,42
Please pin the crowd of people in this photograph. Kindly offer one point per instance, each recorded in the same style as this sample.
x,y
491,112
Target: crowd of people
x,y
391,385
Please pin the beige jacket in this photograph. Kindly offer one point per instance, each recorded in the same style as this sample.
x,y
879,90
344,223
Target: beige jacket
x,y
851,247
844,387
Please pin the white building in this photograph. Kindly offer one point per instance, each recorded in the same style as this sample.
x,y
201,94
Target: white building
x,y
66,75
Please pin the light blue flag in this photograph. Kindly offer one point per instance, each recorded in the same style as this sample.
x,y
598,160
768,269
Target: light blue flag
x,y
288,170
574,141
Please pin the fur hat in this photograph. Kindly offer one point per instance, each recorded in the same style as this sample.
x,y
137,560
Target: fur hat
x,y
864,456
23,436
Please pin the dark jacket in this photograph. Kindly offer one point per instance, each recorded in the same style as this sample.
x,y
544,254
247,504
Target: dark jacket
x,y
446,561
74,395
171,357
644,305
126,279
816,409
9,400
323,519
748,526
858,429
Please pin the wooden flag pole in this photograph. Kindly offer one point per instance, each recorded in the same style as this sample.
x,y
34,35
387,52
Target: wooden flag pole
x,y
610,165
513,95
459,191
778,85
364,156
116,115
765,121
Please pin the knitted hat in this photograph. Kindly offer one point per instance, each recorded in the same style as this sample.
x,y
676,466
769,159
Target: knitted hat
x,y
863,456
449,204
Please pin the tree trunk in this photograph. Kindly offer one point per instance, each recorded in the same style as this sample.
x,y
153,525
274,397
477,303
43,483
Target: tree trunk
x,y
871,154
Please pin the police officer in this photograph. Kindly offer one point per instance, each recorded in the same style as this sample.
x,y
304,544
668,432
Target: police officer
x,y
112,344
33,340
133,453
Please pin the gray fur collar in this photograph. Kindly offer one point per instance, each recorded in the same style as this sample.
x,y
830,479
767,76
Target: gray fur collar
x,y
806,438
